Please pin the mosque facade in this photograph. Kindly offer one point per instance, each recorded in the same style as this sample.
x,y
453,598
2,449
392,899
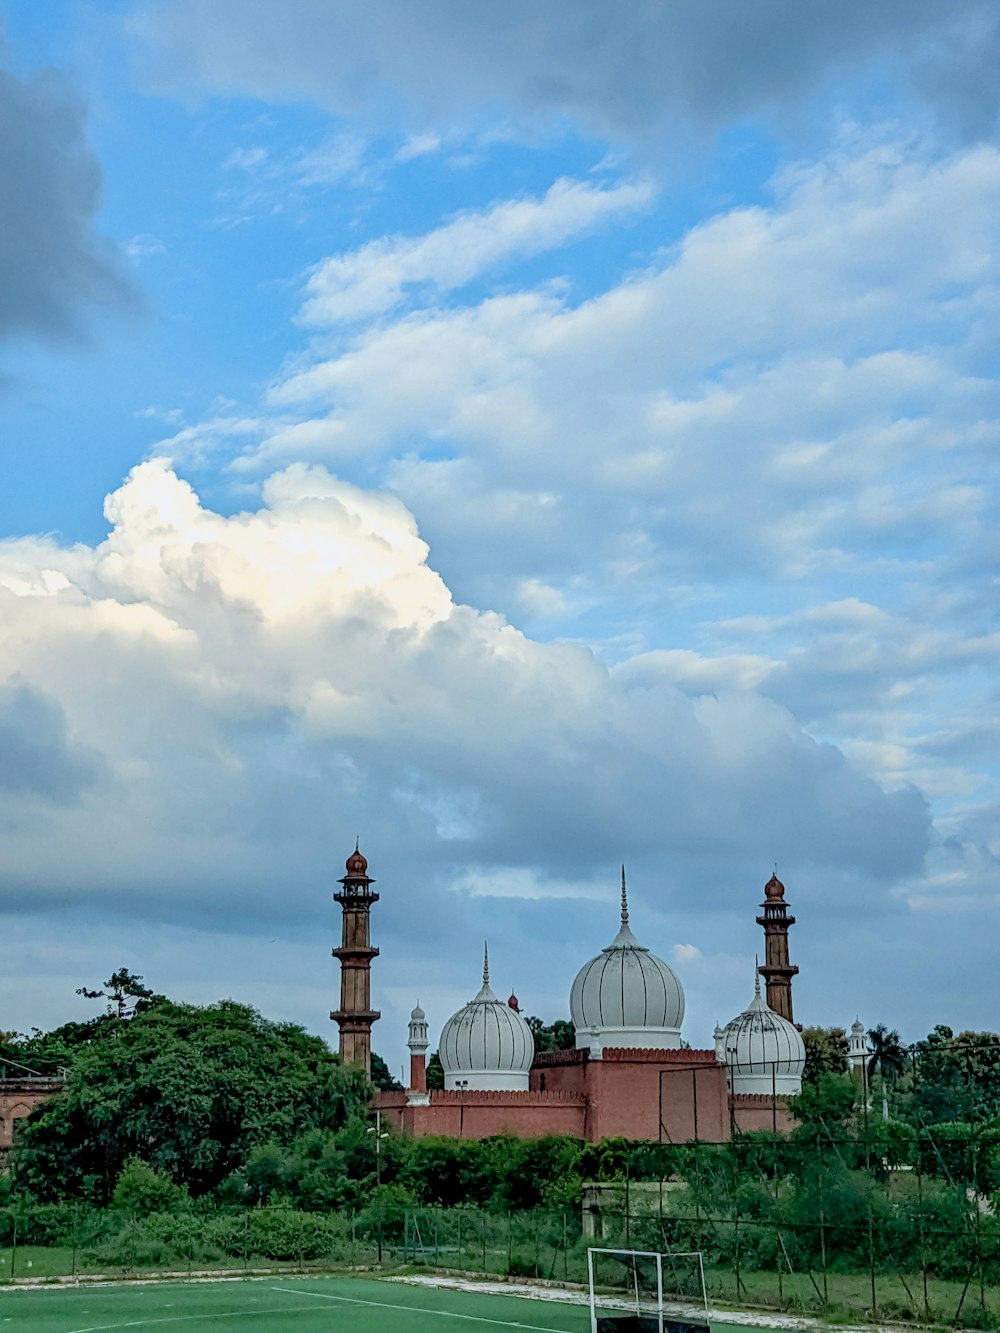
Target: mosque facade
x,y
630,1074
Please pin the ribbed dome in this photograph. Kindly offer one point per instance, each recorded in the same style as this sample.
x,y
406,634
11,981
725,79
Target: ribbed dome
x,y
486,1044
626,996
762,1051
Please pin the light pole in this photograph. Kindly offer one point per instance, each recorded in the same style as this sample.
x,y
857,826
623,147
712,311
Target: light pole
x,y
377,1130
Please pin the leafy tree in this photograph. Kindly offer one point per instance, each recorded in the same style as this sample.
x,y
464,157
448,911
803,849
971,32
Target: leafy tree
x,y
189,1090
956,1078
435,1072
826,1052
125,993
888,1054
557,1036
381,1077
452,1172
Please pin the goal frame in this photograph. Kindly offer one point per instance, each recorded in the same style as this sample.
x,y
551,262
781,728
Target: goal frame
x,y
658,1256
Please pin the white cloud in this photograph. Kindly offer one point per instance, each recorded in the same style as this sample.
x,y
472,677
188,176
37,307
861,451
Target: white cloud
x,y
213,682
375,278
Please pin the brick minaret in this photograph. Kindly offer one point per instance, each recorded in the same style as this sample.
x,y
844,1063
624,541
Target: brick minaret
x,y
418,1044
777,971
356,1015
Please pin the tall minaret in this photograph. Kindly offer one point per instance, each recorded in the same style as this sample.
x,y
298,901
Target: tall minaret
x,y
418,1043
777,971
356,1015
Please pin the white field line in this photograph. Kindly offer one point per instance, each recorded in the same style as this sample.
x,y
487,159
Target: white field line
x,y
409,1309
190,1318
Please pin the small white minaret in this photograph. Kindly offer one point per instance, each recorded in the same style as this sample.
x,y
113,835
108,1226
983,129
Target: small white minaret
x,y
417,1094
858,1050
720,1044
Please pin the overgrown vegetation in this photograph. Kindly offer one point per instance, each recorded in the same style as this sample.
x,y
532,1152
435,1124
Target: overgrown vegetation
x,y
211,1135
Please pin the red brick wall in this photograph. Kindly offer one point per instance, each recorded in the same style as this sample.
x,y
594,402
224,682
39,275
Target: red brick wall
x,y
624,1094
18,1096
477,1115
756,1111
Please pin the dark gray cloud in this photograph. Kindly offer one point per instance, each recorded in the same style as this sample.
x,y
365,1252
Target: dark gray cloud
x,y
639,72
37,758
54,266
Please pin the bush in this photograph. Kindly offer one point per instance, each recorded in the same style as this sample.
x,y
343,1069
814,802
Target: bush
x,y
141,1190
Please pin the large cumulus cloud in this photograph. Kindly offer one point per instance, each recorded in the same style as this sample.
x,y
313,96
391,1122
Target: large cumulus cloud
x,y
238,676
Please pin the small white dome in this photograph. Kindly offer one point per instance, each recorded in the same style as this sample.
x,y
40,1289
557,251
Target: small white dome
x,y
626,996
486,1044
762,1051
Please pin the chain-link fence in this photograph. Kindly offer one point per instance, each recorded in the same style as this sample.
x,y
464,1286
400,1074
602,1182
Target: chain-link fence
x,y
884,1253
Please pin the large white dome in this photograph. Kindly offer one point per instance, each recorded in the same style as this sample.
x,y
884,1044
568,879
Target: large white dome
x,y
626,996
762,1051
486,1044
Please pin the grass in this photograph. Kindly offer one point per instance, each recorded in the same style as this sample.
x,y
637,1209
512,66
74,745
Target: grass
x,y
281,1305
898,1297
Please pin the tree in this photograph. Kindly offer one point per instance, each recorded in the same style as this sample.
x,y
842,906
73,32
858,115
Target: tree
x,y
381,1077
191,1091
557,1036
955,1078
826,1052
435,1072
888,1057
125,993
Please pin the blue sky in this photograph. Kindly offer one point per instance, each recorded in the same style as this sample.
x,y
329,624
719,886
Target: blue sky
x,y
536,438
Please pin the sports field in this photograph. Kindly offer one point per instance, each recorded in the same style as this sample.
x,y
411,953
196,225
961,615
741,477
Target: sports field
x,y
298,1305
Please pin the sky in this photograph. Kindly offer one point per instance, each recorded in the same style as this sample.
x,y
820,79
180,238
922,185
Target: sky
x,y
530,438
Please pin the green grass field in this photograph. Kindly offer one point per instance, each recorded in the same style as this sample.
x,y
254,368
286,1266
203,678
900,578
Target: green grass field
x,y
298,1305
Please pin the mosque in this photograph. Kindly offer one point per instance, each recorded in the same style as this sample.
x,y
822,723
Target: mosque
x,y
630,1075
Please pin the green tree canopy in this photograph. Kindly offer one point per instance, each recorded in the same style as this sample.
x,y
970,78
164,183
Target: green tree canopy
x,y
826,1052
381,1075
190,1091
557,1036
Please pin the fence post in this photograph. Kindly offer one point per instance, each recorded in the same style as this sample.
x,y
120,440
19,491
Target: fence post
x,y
871,1261
736,1251
565,1249
13,1248
822,1254
460,1238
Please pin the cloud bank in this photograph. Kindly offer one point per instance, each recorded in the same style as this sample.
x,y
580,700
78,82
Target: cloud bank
x,y
642,73
201,688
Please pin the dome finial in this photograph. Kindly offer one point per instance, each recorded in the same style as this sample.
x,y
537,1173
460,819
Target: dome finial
x,y
486,963
756,976
624,899
357,842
